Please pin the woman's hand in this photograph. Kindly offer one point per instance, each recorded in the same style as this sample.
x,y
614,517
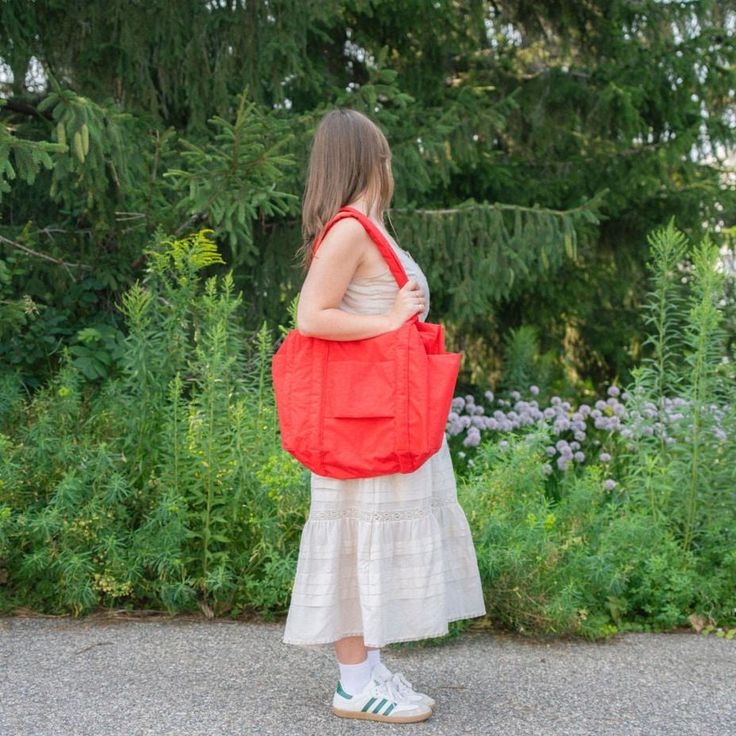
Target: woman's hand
x,y
409,301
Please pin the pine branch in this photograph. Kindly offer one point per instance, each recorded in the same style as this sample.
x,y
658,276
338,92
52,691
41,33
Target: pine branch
x,y
45,256
590,205
25,108
477,255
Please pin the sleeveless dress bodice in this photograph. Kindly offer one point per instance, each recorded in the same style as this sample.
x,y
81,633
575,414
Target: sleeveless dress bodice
x,y
376,294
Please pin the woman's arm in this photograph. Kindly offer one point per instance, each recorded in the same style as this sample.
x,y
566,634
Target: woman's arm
x,y
330,272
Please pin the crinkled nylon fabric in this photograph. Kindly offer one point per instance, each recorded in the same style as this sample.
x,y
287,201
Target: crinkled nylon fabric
x,y
363,408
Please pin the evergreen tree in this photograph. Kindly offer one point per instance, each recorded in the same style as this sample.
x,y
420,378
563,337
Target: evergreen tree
x,y
534,146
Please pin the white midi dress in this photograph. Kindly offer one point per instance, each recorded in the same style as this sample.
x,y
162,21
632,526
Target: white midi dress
x,y
390,557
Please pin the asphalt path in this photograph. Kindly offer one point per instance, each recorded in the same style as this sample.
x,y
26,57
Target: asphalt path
x,y
136,676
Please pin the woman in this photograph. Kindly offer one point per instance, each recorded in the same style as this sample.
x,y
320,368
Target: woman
x,y
388,558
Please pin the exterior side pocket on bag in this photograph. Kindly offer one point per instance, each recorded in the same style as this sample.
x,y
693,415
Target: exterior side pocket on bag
x,y
360,388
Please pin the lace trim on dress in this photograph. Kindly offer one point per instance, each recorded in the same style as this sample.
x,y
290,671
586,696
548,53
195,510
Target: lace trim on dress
x,y
354,512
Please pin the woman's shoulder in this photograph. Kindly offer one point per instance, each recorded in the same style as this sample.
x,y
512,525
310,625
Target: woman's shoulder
x,y
345,234
348,227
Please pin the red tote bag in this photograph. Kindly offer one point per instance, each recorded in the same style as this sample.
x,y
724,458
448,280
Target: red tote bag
x,y
362,408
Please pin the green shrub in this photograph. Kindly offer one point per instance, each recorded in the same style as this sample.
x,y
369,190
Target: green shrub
x,y
579,552
165,486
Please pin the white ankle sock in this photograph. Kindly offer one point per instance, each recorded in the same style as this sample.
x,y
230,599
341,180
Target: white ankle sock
x,y
374,657
354,677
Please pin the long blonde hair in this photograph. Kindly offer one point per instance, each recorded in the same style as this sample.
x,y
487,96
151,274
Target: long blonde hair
x,y
349,155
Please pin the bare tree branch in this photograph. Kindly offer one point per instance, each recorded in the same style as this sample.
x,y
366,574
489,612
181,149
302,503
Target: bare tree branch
x,y
44,256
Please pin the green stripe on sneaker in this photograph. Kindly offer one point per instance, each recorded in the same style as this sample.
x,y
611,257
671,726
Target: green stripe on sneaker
x,y
380,705
389,709
368,704
341,691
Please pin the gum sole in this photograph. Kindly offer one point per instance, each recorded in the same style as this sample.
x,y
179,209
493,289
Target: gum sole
x,y
378,717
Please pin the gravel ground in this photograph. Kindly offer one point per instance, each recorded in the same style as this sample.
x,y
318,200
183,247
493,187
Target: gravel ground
x,y
109,676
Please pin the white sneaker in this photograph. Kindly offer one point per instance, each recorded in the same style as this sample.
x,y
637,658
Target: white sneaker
x,y
378,701
401,685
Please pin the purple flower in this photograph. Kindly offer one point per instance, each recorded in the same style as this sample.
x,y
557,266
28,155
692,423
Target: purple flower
x,y
546,468
472,439
613,391
609,484
604,457
534,390
561,424
488,395
458,403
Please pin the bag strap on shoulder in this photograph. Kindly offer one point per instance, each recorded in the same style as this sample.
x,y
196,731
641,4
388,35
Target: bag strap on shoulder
x,y
387,251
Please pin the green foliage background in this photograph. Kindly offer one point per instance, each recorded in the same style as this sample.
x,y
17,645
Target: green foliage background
x,y
150,186
534,147
167,486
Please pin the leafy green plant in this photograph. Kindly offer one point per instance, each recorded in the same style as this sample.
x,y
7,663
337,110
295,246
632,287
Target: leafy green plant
x,y
233,179
688,479
164,485
524,365
580,551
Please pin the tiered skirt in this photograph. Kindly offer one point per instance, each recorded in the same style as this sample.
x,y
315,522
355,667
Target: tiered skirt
x,y
390,558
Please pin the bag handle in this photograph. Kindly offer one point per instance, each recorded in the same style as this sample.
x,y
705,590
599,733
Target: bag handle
x,y
387,251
